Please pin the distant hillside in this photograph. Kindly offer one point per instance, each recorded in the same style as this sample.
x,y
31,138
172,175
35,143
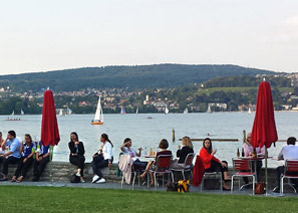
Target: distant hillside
x,y
144,76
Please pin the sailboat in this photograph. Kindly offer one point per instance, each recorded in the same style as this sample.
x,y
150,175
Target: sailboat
x,y
185,111
12,114
22,112
122,110
249,110
61,112
167,110
209,109
98,118
137,110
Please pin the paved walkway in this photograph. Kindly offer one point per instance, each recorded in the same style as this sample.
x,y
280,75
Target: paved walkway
x,y
111,185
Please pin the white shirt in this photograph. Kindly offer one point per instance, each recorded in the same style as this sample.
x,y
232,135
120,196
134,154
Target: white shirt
x,y
107,151
289,152
131,152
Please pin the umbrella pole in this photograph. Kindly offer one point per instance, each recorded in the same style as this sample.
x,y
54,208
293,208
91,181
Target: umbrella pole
x,y
266,172
51,167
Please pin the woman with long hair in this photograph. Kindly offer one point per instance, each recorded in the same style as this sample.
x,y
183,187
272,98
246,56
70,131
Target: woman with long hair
x,y
212,164
76,156
101,159
182,153
26,160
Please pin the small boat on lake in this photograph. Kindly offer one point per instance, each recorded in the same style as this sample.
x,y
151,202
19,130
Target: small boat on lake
x,y
98,118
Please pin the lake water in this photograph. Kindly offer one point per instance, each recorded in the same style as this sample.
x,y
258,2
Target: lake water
x,y
147,133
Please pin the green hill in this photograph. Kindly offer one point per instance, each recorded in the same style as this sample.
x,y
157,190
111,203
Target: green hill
x,y
143,76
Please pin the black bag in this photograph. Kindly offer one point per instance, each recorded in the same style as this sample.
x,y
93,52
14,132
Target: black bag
x,y
74,179
172,187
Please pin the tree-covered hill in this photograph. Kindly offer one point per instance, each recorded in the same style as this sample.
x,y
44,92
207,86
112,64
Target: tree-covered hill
x,y
143,76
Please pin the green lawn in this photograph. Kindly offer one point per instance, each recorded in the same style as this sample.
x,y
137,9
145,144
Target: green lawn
x,y
51,199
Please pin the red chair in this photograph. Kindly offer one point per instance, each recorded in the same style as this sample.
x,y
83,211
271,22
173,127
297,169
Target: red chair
x,y
187,165
242,168
162,167
290,167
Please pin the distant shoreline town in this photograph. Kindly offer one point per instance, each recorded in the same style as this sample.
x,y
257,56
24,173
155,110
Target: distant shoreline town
x,y
235,92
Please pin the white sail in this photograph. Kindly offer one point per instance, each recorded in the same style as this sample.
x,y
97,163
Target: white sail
x,y
185,111
137,110
12,114
209,109
61,112
22,112
167,110
99,113
249,110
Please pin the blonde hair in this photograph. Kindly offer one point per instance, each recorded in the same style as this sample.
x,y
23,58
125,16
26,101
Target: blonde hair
x,y
187,142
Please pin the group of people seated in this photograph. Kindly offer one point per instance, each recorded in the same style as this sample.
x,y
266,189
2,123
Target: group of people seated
x,y
24,155
28,153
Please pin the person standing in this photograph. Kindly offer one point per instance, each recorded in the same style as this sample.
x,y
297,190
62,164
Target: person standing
x,y
13,155
103,158
42,157
27,152
289,152
76,156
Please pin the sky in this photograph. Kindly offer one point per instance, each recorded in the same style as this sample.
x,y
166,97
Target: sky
x,y
40,35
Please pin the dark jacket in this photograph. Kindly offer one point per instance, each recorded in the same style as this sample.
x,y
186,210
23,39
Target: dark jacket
x,y
76,150
182,153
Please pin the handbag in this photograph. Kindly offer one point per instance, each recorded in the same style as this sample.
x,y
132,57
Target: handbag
x,y
183,186
260,188
74,179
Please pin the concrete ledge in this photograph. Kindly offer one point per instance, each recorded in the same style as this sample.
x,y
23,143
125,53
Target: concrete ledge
x,y
62,172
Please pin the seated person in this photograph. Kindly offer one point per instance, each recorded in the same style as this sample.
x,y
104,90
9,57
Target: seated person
x,y
103,158
128,150
13,155
212,164
289,152
163,145
249,151
76,156
27,152
42,157
182,153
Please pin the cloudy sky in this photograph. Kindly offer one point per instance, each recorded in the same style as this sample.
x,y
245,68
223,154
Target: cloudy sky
x,y
59,34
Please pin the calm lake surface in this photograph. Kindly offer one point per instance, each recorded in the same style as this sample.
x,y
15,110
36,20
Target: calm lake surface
x,y
147,133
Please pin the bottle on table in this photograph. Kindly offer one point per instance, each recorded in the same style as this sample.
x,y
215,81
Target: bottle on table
x,y
238,153
242,153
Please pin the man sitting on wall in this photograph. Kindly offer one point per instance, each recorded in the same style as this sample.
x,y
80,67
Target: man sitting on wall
x,y
13,155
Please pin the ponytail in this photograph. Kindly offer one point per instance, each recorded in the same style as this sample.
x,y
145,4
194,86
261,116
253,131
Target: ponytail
x,y
106,137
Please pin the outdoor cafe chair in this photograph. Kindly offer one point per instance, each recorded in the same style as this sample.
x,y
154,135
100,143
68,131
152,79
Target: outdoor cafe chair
x,y
212,175
162,167
290,167
242,168
187,165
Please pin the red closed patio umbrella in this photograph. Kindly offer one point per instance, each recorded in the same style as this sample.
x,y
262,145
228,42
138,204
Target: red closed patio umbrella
x,y
264,128
49,126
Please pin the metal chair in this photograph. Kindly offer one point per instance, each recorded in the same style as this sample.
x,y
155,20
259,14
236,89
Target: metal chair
x,y
290,166
242,168
212,175
162,166
187,165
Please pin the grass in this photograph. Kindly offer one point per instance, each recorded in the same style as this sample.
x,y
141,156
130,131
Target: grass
x,y
51,199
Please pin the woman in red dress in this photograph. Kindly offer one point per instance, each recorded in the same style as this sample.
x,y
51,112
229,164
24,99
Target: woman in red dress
x,y
212,164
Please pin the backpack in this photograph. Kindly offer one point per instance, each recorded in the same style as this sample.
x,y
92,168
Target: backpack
x,y
183,186
75,179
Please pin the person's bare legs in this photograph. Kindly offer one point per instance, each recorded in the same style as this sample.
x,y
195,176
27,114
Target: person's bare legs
x,y
226,176
13,179
152,179
142,176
